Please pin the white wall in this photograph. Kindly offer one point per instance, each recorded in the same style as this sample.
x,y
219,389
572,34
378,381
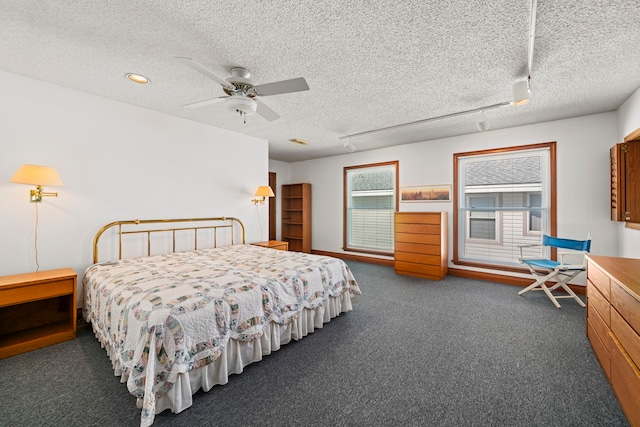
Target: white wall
x,y
117,162
283,176
628,121
582,176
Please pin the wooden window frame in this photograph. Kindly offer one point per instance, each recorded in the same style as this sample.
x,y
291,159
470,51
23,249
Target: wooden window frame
x,y
552,200
345,239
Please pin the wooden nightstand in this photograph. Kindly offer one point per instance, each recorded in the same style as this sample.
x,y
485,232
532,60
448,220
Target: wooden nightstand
x,y
36,310
273,244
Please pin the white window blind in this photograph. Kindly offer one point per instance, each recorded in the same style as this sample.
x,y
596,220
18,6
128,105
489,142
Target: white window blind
x,y
370,205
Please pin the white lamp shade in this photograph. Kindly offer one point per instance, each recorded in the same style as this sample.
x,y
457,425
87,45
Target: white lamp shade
x,y
264,191
37,175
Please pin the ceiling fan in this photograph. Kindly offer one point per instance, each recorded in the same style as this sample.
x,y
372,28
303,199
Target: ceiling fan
x,y
241,94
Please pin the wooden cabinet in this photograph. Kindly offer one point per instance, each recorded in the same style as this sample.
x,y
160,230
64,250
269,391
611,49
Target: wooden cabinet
x,y
420,244
613,326
296,216
625,181
273,244
36,310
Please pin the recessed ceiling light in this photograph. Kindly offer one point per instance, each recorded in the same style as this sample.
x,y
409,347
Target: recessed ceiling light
x,y
299,141
138,78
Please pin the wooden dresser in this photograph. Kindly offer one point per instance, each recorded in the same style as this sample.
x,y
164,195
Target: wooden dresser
x,y
421,244
613,326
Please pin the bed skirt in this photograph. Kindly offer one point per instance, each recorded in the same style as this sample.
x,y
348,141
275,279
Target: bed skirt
x,y
238,354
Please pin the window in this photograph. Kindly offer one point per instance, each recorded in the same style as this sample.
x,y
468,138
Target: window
x,y
534,217
481,222
370,200
503,199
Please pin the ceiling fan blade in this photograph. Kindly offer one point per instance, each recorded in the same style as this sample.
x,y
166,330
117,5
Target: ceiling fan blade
x,y
205,102
204,70
284,86
266,112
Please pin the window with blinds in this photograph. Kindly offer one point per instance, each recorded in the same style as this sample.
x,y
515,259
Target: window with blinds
x,y
370,196
504,200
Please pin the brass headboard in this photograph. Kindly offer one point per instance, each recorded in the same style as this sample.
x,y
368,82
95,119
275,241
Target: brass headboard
x,y
226,223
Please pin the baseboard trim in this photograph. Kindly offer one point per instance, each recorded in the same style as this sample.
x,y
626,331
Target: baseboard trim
x,y
469,274
352,257
509,280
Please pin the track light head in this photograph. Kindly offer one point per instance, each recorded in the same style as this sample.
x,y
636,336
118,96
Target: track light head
x,y
482,122
520,92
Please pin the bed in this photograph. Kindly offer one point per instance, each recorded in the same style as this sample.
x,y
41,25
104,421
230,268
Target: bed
x,y
177,320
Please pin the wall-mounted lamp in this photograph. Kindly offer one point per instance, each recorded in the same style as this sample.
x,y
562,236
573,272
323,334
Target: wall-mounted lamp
x,y
38,176
262,193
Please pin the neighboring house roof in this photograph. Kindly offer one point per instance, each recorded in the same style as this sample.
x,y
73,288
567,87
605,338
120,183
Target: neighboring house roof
x,y
380,180
522,170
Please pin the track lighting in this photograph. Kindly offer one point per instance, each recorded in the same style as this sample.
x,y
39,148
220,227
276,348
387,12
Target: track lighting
x,y
349,146
482,123
521,92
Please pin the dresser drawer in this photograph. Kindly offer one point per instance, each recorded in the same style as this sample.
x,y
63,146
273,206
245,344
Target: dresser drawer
x,y
603,330
417,248
419,270
628,338
599,303
599,347
418,228
626,304
418,218
417,258
625,380
427,239
599,279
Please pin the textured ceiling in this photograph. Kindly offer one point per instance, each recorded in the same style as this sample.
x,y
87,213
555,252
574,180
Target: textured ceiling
x,y
369,64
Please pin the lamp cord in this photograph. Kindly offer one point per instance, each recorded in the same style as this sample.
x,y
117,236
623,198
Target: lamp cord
x,y
35,240
260,223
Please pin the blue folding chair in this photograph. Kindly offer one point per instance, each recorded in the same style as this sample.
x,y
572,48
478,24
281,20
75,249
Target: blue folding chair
x,y
562,272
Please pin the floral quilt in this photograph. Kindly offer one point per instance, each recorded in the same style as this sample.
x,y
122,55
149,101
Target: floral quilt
x,y
164,315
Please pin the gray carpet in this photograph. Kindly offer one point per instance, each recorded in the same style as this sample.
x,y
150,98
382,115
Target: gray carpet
x,y
413,352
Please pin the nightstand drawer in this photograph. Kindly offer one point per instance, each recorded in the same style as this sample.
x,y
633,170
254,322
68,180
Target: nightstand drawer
x,y
27,293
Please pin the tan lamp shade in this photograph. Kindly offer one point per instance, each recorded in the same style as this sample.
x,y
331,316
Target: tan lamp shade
x,y
264,191
37,175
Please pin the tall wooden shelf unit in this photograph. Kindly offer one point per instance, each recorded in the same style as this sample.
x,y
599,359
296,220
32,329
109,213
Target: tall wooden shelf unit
x,y
296,216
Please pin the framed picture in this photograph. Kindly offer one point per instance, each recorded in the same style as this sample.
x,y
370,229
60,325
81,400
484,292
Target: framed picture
x,y
426,193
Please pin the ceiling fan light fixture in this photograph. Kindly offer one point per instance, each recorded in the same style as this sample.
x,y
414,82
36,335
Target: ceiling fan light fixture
x,y
241,104
521,92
